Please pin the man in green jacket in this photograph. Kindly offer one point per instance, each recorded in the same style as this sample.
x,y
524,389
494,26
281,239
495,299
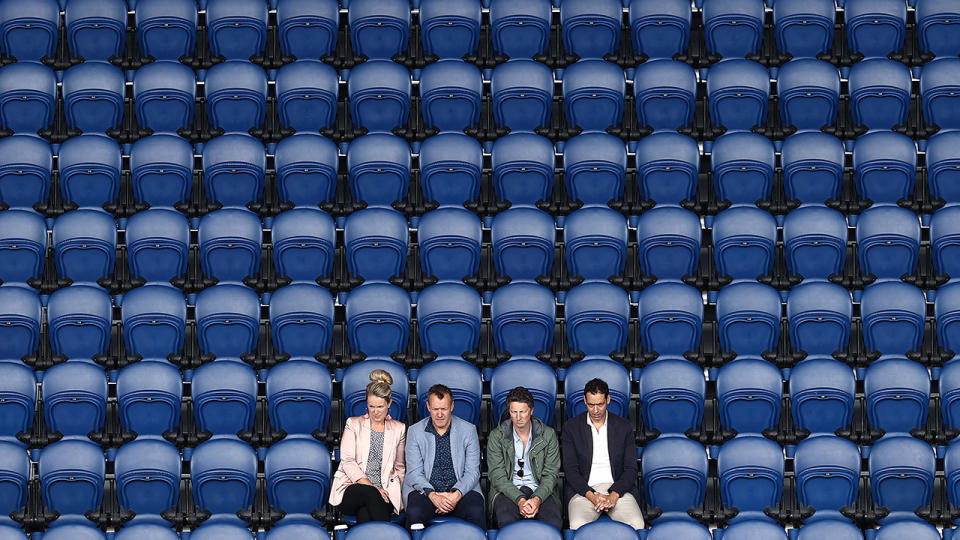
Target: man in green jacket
x,y
523,464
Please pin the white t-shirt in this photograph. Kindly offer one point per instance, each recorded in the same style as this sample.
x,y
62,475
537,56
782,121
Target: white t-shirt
x,y
600,471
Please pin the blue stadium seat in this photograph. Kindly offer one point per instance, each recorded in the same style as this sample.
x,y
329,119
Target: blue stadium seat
x,y
952,472
665,92
672,393
237,28
754,529
936,27
523,318
450,28
893,317
450,91
812,166
93,96
219,531
161,170
376,241
737,93
154,321
674,471
23,240
357,377
29,31
308,29
949,385
901,475
690,530
744,239
885,165
448,317
888,241
809,92
464,381
939,83
611,372
149,396
35,82
593,94
378,319
821,394
667,167
820,315
908,529
230,243
804,28
598,318
234,167
523,168
828,475
96,29
224,397
79,320
306,167
166,30
72,476
522,93
223,474
449,241
535,376
90,170
671,317
14,478
454,529
26,165
146,531
943,165
875,27
379,93
307,95
748,395
451,165
379,28
523,241
751,477
158,245
298,475
743,165
879,93
668,242
660,29
148,476
301,320
294,530
299,392
596,243
595,167
379,168
591,28
377,531
228,320
74,532
733,28
236,94
18,396
20,322
748,318
898,394
164,93
520,28
947,311
815,241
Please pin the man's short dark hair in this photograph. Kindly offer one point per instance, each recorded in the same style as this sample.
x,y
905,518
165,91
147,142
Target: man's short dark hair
x,y
520,395
596,386
440,391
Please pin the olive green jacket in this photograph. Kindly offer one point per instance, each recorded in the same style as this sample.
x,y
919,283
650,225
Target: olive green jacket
x,y
544,462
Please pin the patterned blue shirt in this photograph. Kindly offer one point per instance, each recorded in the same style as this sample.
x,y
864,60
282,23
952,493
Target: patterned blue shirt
x,y
443,477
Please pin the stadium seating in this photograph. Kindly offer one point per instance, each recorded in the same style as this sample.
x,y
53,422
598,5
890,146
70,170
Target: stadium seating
x,y
448,317
815,240
944,240
750,529
30,31
357,377
523,317
888,241
230,244
523,241
674,471
939,82
236,94
804,28
820,316
454,528
166,30
522,93
79,320
744,239
461,377
942,159
596,243
885,165
307,95
228,320
748,395
298,475
223,474
935,27
149,396
590,28
593,94
158,244
748,318
536,376
161,168
733,28
306,167
154,321
308,29
450,240
611,372
667,166
218,530
96,29
913,529
809,92
23,241
595,167
598,318
234,167
237,28
828,473
668,241
301,320
90,169
28,95
812,167
377,531
376,242
822,394
15,470
672,391
450,168
679,529
893,317
660,29
75,532
737,93
93,96
379,28
26,165
303,244
875,27
901,475
879,92
146,531
743,166
18,391
148,476
72,475
378,319
664,92
523,168
830,528
520,29
74,398
294,530
299,393
946,308
20,323
224,396
751,477
451,28
379,169
898,394
379,93
529,528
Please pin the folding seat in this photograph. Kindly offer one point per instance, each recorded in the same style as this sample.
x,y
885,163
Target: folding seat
x,y
830,528
949,384
154,321
74,398
536,376
454,529
223,474
593,94
230,244
885,165
815,240
238,28
166,30
301,319
28,96
449,241
667,167
821,394
90,170
737,93
148,476
893,317
596,243
744,239
748,318
689,530
671,317
74,532
23,241
307,95
18,396
93,96
598,318
450,168
221,530
674,471
451,28
234,166
733,28
26,165
660,29
303,243
379,93
72,476
804,28
158,244
888,241
306,168
379,168
952,472
611,372
820,315
875,27
79,320
751,477
668,242
379,28
357,377
15,470
672,392
146,531
299,392
464,381
378,319
595,167
236,94
161,170
450,92
908,529
520,28
164,93
29,31
522,95
448,317
377,531
879,93
296,531
743,165
901,476
754,528
228,320
664,92
898,394
523,318
591,28
149,396
308,29
946,308
936,30
748,395
96,29
376,243
812,165
828,474
943,165
298,475
523,240
20,322
939,84
523,168
809,92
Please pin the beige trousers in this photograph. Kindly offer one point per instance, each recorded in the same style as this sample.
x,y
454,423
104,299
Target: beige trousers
x,y
581,510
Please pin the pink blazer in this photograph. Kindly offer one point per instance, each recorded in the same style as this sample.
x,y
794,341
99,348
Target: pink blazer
x,y
354,449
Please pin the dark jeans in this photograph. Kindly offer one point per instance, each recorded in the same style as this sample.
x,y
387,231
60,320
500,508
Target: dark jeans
x,y
366,503
470,509
506,511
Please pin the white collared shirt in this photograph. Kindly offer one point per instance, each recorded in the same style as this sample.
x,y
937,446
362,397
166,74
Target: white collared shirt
x,y
600,471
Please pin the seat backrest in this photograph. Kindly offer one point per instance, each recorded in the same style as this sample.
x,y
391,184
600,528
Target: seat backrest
x,y
593,93
307,95
674,470
161,168
21,318
93,96
228,320
301,319
225,397
875,27
23,238
744,239
522,94
809,91
448,316
679,529
902,473
885,166
451,165
15,468
72,475
946,309
668,242
377,531
148,476
299,393
29,31
751,474
238,28
535,376
520,29
85,244
379,93
747,530
234,166
308,29
79,319
908,529
671,317
815,238
660,29
523,168
96,29
672,392
217,531
379,28
146,531
298,475
74,398
376,243
598,318
454,529
378,319
149,395
667,167
743,164
528,528
733,28
936,27
804,28
154,321
450,240
379,169
828,472
749,395
38,84
737,92
166,30
18,392
236,93
523,243
595,166
75,532
893,315
888,241
820,316
230,241
164,93
748,317
523,317
596,243
879,92
464,381
665,92
158,245
591,29
26,165
451,28
822,394
306,166
898,394
612,530
90,167
223,473
303,243
812,166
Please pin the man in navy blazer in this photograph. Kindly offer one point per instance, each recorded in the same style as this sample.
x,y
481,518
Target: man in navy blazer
x,y
600,463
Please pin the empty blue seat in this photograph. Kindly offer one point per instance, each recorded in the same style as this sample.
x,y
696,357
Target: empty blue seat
x,y
888,241
611,372
748,318
166,30
875,27
223,473
26,165
90,169
748,395
299,393
598,318
523,318
148,476
29,31
939,84
591,28
301,319
161,170
236,94
943,165
535,376
908,529
751,529
154,321
449,241
952,470
72,475
671,317
146,531
450,168
23,241
308,29
751,477
815,241
377,531
744,240
898,394
379,93
230,243
893,317
820,315
357,377
158,245
733,28
672,392
448,317
238,28
737,93
96,29
298,475
307,95
75,532
596,243
946,308
879,93
376,241
93,96
149,396
234,166
664,92
674,471
20,322
936,27
885,166
220,530
379,168
743,165
595,167
454,528
28,96
224,397
451,28
306,166
14,477
690,530
522,93
378,319
523,241
228,320
523,168
667,167
949,381
809,92
520,28
18,396
593,94
464,381
164,93
828,475
804,28
660,29
821,394
74,398
379,28
812,166
668,242
79,322
450,91
901,475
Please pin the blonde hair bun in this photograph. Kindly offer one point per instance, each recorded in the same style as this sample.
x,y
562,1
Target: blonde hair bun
x,y
381,376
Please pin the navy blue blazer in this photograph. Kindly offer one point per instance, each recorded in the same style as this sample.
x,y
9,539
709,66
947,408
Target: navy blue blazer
x,y
577,443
